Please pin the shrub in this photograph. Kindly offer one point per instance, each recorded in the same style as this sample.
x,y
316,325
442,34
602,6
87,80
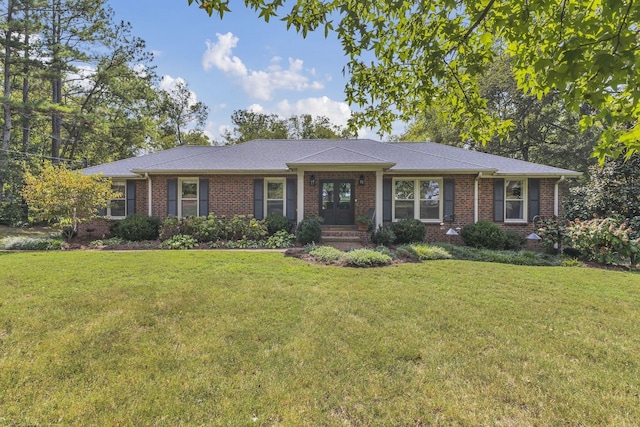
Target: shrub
x,y
244,227
136,228
309,230
327,254
408,231
281,239
503,257
179,241
21,243
407,252
383,236
513,241
572,262
366,258
170,227
427,252
13,213
604,240
107,242
552,231
206,229
386,251
483,234
276,222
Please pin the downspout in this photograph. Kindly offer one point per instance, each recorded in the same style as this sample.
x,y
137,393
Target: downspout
x,y
476,197
556,196
146,175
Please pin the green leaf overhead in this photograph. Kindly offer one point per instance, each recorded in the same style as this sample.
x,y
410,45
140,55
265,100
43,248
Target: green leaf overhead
x,y
402,56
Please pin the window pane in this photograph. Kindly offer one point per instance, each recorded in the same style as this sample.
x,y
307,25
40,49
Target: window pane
x,y
189,189
404,190
327,195
189,208
514,190
514,210
404,209
429,199
119,187
275,190
117,208
275,206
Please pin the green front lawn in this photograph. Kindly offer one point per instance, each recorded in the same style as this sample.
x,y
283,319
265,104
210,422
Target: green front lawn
x,y
252,338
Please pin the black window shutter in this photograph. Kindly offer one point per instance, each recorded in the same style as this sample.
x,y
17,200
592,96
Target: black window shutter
x,y
172,196
386,199
131,197
534,197
449,196
498,200
258,198
102,212
291,199
203,197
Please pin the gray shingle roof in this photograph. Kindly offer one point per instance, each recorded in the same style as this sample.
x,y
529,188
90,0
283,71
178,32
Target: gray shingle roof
x,y
279,155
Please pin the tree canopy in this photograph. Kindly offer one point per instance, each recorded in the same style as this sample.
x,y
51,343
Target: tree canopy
x,y
404,55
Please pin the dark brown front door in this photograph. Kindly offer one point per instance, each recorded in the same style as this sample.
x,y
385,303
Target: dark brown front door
x,y
336,202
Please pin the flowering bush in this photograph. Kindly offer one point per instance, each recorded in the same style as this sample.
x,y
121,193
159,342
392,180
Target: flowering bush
x,y
552,230
604,240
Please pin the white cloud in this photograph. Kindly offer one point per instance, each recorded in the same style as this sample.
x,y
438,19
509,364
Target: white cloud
x,y
338,112
219,55
259,84
169,84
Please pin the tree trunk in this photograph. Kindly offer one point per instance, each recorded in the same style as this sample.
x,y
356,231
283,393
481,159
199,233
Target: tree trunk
x,y
56,84
26,111
6,104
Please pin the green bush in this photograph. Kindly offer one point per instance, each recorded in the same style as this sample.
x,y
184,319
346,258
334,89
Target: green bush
x,y
206,229
408,231
309,230
483,234
605,240
136,228
20,243
327,254
503,257
366,258
427,252
244,227
386,251
407,252
171,226
513,241
276,222
13,213
179,241
107,242
383,236
552,230
281,239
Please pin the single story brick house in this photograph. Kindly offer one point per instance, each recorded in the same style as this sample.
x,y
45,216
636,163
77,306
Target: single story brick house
x,y
337,180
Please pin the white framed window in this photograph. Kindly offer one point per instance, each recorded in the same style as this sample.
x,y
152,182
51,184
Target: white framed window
x,y
418,198
187,197
118,207
275,200
515,200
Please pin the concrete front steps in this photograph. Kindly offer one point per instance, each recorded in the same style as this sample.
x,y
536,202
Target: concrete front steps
x,y
343,237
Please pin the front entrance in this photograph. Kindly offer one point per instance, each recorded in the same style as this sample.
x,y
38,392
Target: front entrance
x,y
336,202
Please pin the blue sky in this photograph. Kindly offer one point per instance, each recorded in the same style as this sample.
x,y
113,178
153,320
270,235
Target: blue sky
x,y
240,62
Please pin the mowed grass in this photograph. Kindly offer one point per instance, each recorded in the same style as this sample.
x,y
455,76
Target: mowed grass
x,y
253,338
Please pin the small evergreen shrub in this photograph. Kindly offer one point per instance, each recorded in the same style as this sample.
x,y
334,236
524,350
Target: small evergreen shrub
x,y
327,254
386,251
384,236
179,241
281,239
136,228
483,234
309,230
408,231
366,258
514,241
276,222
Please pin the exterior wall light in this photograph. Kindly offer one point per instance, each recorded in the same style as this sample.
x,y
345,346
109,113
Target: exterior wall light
x,y
312,180
361,180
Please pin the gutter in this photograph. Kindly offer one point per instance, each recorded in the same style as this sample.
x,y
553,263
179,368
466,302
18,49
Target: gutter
x,y
556,196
